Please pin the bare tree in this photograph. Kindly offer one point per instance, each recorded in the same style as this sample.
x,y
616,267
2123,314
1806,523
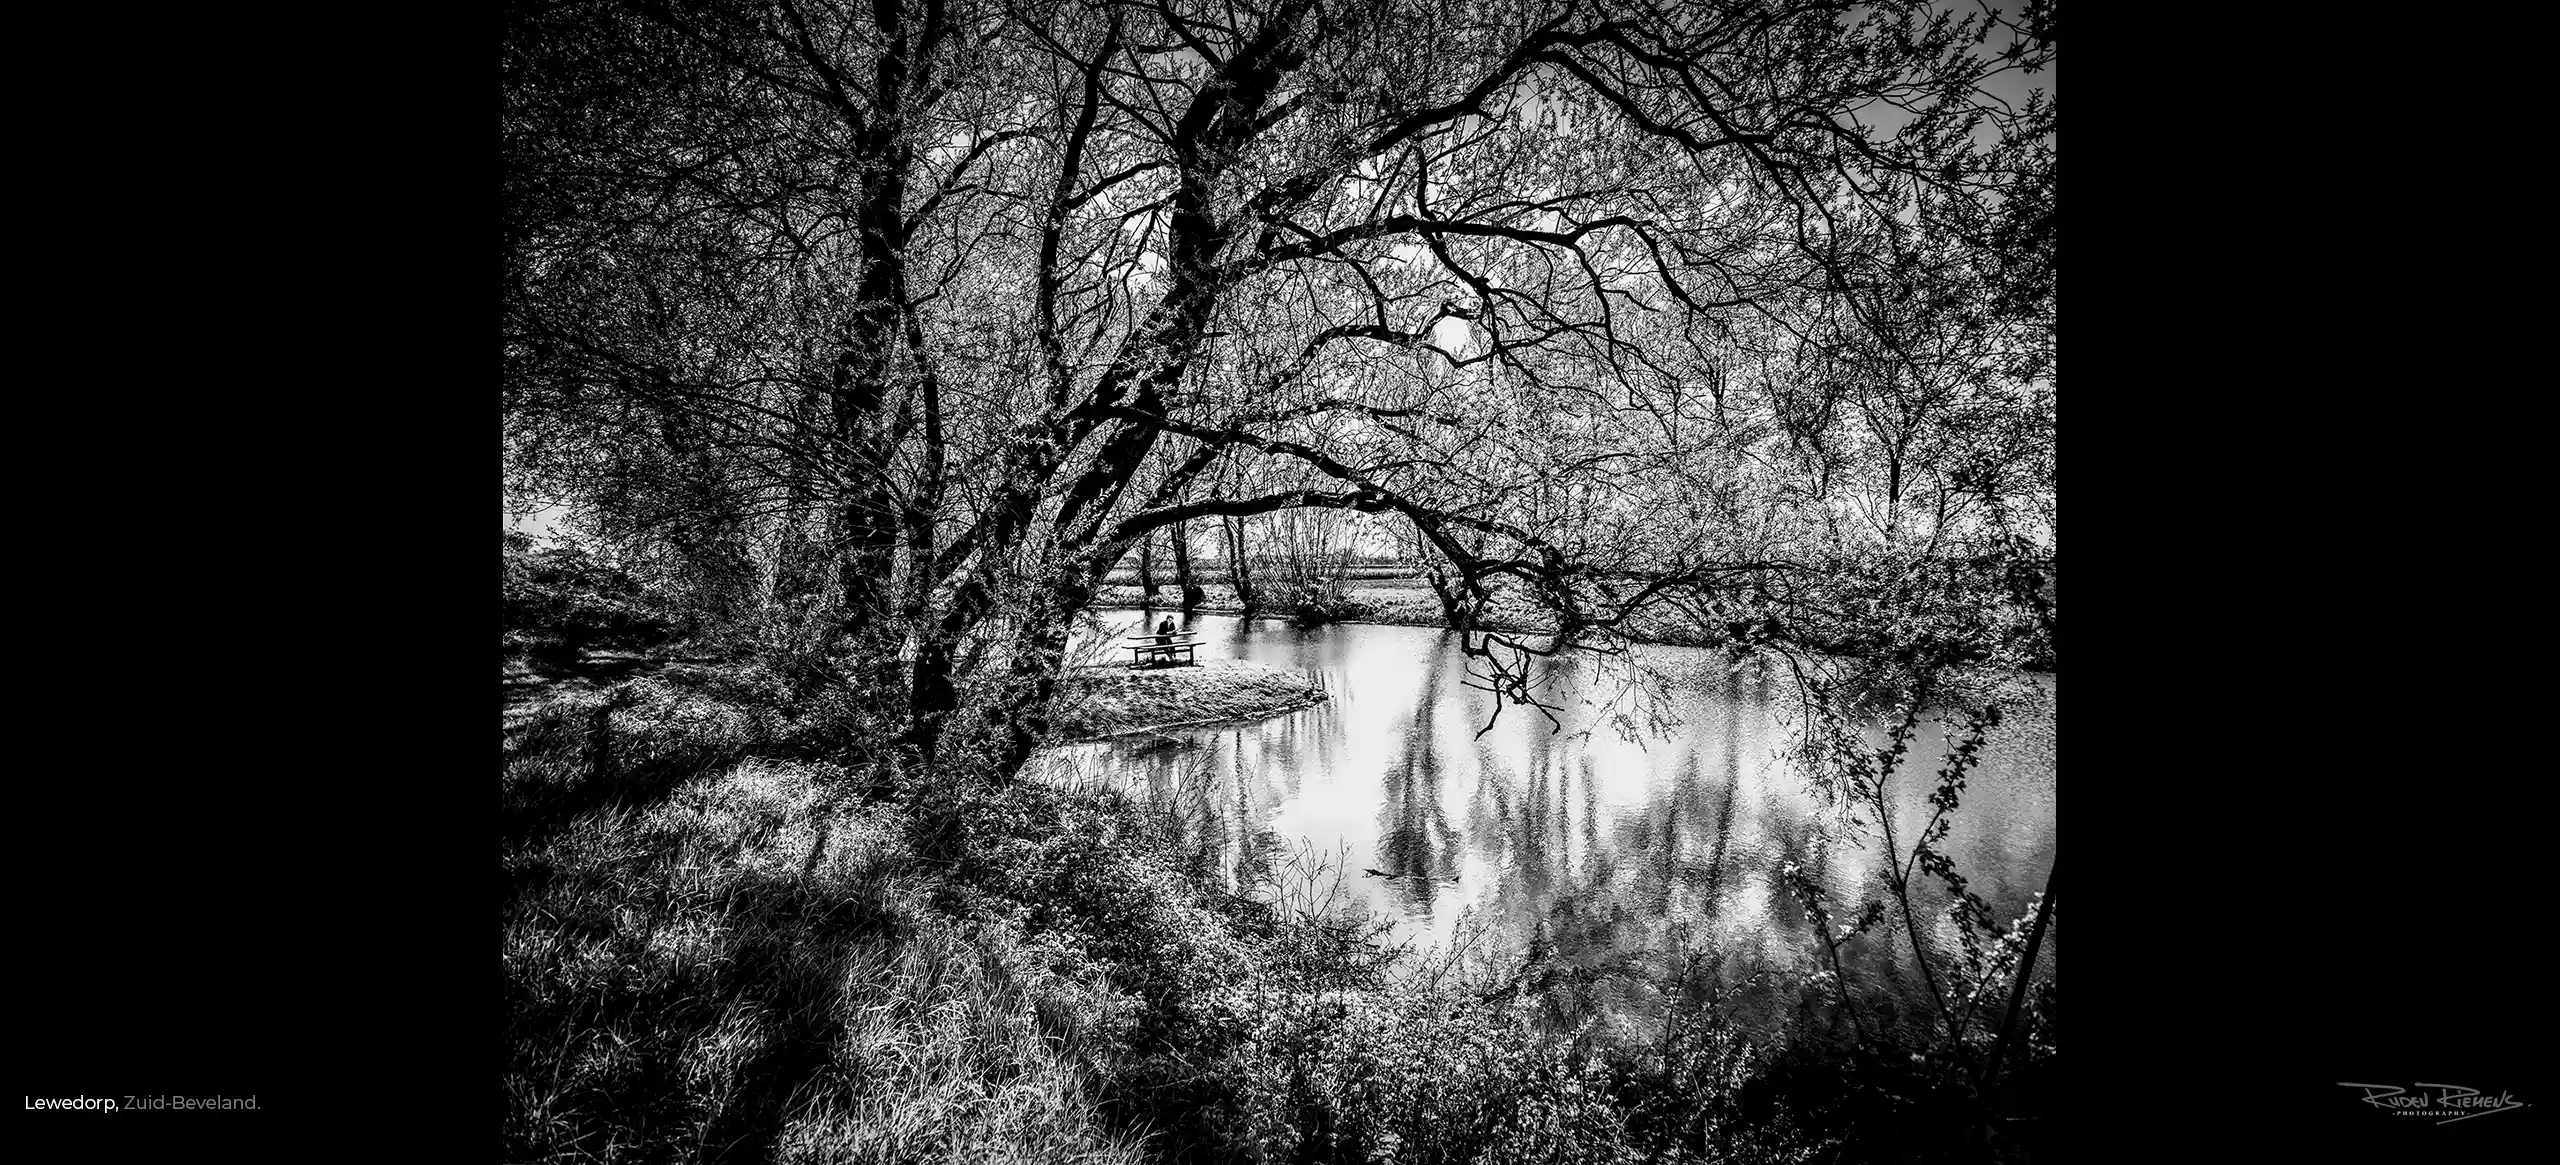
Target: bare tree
x,y
981,297
1182,581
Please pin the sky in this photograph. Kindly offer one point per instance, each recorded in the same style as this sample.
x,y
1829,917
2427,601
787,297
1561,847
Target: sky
x,y
540,524
2011,84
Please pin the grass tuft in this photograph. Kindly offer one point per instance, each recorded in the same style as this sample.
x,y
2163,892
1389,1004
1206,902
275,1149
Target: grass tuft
x,y
715,955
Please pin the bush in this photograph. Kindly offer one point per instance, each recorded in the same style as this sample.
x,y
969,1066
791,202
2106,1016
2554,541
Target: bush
x,y
560,601
1314,604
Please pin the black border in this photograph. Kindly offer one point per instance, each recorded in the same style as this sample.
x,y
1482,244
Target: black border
x,y
2302,852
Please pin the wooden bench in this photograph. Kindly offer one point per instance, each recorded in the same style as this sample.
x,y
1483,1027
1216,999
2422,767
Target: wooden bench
x,y
1162,647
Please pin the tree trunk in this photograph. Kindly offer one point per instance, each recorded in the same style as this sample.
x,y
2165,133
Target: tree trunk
x,y
1239,572
931,692
866,558
1039,656
931,697
864,369
1447,593
1147,569
935,695
865,563
1182,584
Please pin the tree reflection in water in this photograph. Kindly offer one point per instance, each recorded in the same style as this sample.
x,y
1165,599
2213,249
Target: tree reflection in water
x,y
1596,853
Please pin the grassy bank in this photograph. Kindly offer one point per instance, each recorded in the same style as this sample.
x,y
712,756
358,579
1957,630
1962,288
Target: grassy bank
x,y
1115,699
716,952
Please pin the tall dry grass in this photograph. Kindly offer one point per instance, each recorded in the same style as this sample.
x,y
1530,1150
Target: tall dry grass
x,y
711,955
754,970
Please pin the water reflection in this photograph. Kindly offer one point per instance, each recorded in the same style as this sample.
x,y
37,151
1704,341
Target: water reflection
x,y
1598,848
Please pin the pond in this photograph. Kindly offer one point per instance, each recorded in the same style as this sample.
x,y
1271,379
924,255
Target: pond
x,y
1607,850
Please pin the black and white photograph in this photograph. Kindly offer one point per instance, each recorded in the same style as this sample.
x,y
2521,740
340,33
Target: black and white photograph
x,y
1384,581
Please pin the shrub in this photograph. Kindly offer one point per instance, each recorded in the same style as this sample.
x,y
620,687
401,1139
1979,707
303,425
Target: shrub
x,y
1314,604
560,601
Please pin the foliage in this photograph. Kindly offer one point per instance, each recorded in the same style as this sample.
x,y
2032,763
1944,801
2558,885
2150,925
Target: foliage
x,y
931,312
561,600
1970,962
1312,604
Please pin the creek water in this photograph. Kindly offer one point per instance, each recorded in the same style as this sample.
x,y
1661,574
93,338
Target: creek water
x,y
1604,849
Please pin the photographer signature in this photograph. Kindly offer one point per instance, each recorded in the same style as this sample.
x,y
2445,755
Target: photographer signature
x,y
2453,1102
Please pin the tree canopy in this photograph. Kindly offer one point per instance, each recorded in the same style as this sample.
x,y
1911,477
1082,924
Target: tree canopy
x,y
909,318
